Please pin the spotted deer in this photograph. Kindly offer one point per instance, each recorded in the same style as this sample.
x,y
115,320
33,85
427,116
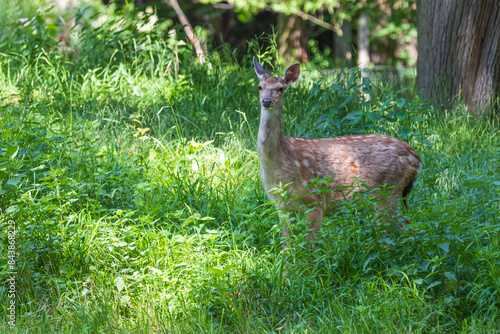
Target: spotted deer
x,y
293,161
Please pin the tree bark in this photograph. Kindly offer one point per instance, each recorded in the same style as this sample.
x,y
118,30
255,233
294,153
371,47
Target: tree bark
x,y
188,29
363,40
292,38
459,52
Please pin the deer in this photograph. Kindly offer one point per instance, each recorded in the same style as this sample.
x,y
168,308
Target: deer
x,y
377,160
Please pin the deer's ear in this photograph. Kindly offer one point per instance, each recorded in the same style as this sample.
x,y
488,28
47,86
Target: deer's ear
x,y
291,74
259,69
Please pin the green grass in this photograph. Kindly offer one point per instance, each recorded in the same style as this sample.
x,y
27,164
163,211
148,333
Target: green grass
x,y
139,208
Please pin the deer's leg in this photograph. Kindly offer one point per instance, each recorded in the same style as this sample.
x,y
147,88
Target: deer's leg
x,y
387,210
390,211
286,224
286,227
314,218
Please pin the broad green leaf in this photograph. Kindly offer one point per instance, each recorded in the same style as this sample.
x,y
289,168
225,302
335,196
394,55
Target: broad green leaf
x,y
450,275
12,151
13,182
400,102
119,283
405,133
219,270
423,266
11,209
445,246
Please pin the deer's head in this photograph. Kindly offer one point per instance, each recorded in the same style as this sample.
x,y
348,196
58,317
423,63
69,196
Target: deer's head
x,y
271,88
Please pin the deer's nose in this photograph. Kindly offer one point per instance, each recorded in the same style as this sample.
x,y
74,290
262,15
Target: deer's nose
x,y
266,102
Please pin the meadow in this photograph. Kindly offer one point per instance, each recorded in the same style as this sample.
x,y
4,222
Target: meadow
x,y
131,175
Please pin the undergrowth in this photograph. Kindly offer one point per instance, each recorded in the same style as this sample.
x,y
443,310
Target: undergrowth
x,y
131,177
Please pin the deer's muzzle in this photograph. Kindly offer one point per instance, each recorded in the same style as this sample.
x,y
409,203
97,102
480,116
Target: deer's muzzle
x,y
266,103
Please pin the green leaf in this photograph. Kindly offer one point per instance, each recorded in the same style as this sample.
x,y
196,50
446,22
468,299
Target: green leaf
x,y
119,283
349,98
337,87
156,271
423,266
356,131
368,260
11,209
386,104
433,284
428,143
401,115
450,275
13,182
219,270
400,102
366,83
212,231
445,246
354,115
373,116
125,299
389,241
405,133
137,91
12,151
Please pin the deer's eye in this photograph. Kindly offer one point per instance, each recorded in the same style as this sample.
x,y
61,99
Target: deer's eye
x,y
280,89
260,87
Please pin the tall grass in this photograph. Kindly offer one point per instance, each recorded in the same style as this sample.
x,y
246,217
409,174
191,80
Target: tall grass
x,y
136,196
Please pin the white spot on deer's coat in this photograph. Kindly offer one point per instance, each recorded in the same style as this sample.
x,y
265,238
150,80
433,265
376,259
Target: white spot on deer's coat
x,y
305,163
304,184
297,163
308,155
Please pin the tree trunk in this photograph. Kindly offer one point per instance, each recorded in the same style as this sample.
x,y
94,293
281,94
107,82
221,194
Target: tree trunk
x,y
459,52
292,38
363,40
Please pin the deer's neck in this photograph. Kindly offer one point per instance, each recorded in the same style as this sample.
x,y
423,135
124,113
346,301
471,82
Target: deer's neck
x,y
270,142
